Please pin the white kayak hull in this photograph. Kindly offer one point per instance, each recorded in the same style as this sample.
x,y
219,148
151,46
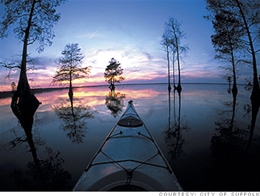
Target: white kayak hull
x,y
128,159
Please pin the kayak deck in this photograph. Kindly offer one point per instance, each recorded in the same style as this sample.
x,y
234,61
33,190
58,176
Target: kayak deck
x,y
128,159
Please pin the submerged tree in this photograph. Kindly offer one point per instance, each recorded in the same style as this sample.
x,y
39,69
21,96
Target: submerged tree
x,y
226,41
113,73
70,68
172,37
32,21
247,13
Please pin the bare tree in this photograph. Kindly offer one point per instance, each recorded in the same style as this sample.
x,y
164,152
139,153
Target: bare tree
x,y
174,37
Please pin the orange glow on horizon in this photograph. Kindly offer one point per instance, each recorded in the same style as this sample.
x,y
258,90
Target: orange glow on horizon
x,y
44,81
90,96
98,79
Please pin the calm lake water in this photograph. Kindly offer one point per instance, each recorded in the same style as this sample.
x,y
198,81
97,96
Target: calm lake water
x,y
204,133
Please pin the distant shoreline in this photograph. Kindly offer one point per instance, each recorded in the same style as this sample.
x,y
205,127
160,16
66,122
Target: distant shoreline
x,y
6,94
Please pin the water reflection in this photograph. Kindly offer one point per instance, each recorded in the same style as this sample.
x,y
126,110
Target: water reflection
x,y
230,146
24,105
255,109
229,135
115,102
174,136
41,173
73,118
183,125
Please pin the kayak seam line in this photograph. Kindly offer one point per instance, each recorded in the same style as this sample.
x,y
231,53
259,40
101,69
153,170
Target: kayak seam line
x,y
132,160
125,136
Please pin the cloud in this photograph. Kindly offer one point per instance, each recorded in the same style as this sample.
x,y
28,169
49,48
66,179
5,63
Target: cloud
x,y
90,35
138,65
42,62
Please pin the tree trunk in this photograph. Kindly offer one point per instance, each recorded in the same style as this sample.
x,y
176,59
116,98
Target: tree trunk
x,y
255,95
24,103
112,85
179,88
255,110
23,84
233,111
168,60
234,88
173,70
70,89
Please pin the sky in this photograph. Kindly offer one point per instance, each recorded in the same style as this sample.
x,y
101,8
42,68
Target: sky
x,y
129,31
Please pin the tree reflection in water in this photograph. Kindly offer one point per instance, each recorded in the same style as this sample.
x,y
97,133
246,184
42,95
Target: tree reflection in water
x,y
174,139
229,135
115,102
231,149
74,119
44,174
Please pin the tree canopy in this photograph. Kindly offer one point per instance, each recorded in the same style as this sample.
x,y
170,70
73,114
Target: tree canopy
x,y
113,73
33,19
245,13
227,42
70,65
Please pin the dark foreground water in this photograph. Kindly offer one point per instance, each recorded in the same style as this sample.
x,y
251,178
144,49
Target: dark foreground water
x,y
205,133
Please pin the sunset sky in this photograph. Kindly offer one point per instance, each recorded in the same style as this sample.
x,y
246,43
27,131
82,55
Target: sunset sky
x,y
127,30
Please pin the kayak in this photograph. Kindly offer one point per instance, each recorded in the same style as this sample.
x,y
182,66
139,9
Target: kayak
x,y
128,160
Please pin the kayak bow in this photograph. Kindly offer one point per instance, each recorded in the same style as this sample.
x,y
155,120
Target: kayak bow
x,y
128,159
